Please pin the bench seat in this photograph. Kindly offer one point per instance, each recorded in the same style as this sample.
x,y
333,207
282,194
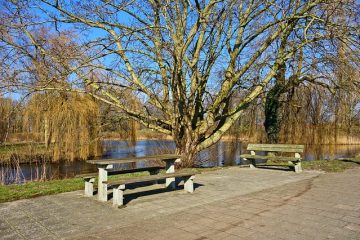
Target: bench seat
x,y
115,172
272,158
119,186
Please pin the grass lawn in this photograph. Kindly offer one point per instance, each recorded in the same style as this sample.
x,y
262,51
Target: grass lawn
x,y
331,165
34,189
324,165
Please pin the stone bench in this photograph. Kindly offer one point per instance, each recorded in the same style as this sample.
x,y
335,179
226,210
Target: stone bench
x,y
271,150
89,178
107,165
119,186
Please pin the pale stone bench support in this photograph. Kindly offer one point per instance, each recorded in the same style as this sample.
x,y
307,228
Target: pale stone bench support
x,y
89,186
298,167
102,187
189,184
297,164
252,160
118,195
170,168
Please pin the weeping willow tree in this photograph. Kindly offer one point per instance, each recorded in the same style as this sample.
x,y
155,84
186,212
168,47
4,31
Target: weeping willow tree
x,y
69,121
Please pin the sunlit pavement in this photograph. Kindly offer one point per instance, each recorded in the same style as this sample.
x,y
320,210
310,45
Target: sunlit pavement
x,y
233,203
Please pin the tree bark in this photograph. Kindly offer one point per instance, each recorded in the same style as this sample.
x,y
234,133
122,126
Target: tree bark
x,y
272,113
273,106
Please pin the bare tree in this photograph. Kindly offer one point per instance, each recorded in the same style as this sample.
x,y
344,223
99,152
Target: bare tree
x,y
183,60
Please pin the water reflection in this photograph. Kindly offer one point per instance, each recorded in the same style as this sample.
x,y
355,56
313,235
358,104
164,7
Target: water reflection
x,y
225,153
330,152
122,149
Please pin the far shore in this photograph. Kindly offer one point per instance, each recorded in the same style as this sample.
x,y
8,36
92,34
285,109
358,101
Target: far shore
x,y
142,137
32,152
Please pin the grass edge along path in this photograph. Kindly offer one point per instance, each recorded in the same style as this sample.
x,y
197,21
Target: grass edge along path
x,y
14,192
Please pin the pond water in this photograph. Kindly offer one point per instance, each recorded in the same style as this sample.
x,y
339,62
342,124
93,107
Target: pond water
x,y
225,153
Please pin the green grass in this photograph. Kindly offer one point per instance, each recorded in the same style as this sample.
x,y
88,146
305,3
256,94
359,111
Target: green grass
x,y
20,146
34,189
325,165
330,165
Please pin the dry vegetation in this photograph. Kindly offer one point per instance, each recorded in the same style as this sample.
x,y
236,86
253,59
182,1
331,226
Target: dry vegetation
x,y
69,121
66,124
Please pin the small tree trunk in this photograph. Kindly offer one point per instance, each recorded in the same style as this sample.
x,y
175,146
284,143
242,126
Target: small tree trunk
x,y
273,106
272,109
46,132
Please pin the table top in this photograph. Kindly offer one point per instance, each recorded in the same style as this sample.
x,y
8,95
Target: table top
x,y
162,157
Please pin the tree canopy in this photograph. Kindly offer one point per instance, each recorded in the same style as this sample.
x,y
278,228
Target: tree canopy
x,y
182,60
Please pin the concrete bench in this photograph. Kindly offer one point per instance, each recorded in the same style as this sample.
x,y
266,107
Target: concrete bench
x,y
271,150
119,186
89,178
107,165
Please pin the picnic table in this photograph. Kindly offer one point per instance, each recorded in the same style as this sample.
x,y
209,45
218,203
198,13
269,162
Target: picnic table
x,y
106,165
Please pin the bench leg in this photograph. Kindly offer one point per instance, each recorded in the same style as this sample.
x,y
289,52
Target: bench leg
x,y
252,163
291,165
170,168
170,183
297,167
189,184
118,196
89,187
102,188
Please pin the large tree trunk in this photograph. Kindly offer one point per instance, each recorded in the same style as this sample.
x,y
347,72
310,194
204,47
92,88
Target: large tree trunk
x,y
188,155
187,147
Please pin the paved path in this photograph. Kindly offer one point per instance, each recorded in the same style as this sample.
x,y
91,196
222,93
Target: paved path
x,y
228,204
